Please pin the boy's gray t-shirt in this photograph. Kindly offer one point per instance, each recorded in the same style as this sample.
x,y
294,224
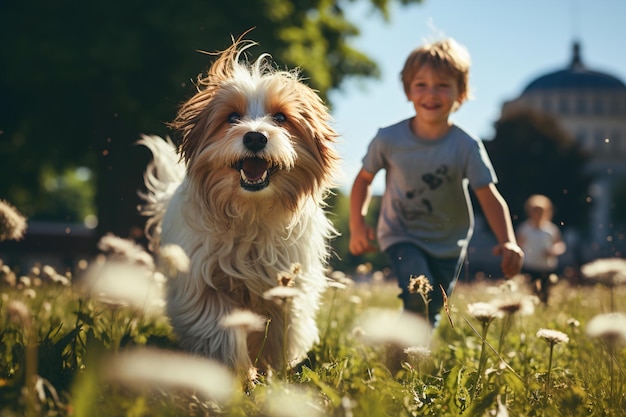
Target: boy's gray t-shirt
x,y
426,199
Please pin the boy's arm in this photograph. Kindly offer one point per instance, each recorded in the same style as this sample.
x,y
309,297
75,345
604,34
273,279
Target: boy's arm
x,y
499,218
558,244
361,235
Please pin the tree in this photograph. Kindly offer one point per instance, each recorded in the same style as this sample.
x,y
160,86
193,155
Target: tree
x,y
80,81
532,154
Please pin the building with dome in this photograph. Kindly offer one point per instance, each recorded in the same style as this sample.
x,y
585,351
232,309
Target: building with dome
x,y
591,106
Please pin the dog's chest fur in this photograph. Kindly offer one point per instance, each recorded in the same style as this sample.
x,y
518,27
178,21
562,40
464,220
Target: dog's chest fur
x,y
250,250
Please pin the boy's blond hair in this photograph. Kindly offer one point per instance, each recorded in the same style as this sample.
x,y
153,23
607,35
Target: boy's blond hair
x,y
447,56
541,201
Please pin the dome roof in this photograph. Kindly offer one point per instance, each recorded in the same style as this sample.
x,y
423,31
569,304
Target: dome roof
x,y
576,76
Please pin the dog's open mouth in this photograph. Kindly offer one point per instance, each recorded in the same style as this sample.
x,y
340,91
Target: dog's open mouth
x,y
254,173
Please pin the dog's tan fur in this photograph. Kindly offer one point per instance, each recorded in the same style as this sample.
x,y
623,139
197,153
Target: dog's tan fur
x,y
238,240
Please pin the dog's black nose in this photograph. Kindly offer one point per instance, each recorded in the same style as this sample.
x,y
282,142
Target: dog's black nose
x,y
255,141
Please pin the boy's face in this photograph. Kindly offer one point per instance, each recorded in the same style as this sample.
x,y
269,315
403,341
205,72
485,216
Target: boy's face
x,y
434,95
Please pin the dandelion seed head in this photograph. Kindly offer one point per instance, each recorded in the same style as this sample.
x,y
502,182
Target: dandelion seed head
x,y
609,271
382,326
51,275
151,367
364,269
336,284
8,276
552,336
338,275
510,286
511,307
292,401
378,277
123,284
572,322
124,250
417,353
522,304
25,282
358,332
18,312
339,280
12,224
419,284
173,260
82,264
610,326
281,294
355,299
245,320
483,312
30,293
35,271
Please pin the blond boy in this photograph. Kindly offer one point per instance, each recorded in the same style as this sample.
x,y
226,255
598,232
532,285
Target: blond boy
x,y
426,217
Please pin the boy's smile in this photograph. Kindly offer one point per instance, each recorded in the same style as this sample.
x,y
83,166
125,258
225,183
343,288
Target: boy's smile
x,y
434,96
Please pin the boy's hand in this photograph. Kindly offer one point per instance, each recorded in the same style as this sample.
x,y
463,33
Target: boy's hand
x,y
361,239
512,258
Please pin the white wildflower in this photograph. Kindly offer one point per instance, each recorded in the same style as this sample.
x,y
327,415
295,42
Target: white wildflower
x,y
611,326
572,322
609,271
392,326
12,223
552,336
125,250
245,320
292,401
417,353
419,284
522,304
155,368
173,260
123,284
483,312
280,294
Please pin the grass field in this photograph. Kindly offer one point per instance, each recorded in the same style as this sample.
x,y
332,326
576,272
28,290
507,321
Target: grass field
x,y
65,352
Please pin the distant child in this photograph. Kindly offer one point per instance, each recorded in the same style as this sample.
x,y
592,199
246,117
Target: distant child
x,y
426,218
542,243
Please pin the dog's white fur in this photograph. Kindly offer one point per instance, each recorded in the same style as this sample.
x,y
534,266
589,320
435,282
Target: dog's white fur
x,y
239,230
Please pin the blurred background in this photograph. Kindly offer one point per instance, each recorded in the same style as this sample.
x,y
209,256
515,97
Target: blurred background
x,y
80,81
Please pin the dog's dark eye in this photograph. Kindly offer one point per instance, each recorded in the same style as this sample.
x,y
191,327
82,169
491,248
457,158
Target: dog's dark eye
x,y
279,118
234,117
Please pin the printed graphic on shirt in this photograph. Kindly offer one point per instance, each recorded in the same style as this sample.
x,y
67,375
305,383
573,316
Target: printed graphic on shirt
x,y
416,207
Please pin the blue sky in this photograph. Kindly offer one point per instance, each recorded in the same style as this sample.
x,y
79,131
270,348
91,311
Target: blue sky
x,y
511,43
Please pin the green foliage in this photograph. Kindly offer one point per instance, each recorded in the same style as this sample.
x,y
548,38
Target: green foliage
x,y
80,81
532,154
77,336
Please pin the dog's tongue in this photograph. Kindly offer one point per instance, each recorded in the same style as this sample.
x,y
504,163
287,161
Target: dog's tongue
x,y
254,168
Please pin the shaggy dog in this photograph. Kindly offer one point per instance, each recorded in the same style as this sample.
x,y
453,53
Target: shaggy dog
x,y
244,197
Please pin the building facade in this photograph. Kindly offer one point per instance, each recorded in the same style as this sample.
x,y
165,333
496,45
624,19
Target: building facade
x,y
591,106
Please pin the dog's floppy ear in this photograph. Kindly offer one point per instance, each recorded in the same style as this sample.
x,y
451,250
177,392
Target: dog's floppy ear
x,y
189,123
